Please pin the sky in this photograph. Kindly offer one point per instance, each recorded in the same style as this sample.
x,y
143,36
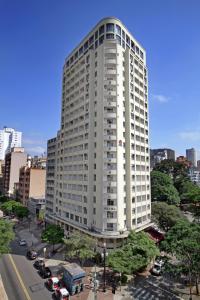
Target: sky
x,y
37,35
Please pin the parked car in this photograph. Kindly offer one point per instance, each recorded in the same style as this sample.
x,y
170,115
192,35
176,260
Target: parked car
x,y
39,263
50,271
157,268
62,294
22,242
53,283
31,254
44,272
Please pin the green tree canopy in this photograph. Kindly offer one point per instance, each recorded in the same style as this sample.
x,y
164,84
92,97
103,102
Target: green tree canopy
x,y
53,234
165,215
183,241
10,206
172,168
3,199
21,211
6,235
162,188
135,255
80,246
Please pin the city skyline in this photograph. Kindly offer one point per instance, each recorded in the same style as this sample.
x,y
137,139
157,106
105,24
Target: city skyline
x,y
35,43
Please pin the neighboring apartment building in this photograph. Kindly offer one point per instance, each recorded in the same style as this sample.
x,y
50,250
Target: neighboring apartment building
x,y
14,160
39,162
31,183
1,175
100,160
192,156
157,155
50,177
194,175
9,138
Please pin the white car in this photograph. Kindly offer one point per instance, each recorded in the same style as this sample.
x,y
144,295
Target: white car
x,y
62,294
157,268
22,242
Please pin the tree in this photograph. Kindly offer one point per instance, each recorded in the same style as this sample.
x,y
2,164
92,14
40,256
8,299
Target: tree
x,y
10,206
172,168
165,215
183,241
3,199
80,246
21,211
53,234
162,188
6,235
135,255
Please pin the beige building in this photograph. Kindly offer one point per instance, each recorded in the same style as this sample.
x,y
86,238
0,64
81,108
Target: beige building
x,y
14,160
100,158
1,175
31,183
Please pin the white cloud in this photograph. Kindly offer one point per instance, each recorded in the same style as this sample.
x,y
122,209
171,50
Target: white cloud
x,y
161,98
35,150
190,135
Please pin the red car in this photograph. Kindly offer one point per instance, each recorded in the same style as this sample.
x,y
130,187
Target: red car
x,y
62,294
53,283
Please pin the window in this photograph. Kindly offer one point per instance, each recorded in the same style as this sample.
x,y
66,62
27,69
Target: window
x,y
81,50
128,40
86,45
110,27
110,36
85,221
101,30
96,44
123,34
118,38
118,29
110,226
96,35
110,215
91,39
94,211
101,39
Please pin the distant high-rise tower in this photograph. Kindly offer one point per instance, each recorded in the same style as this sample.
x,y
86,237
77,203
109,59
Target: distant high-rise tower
x,y
192,156
100,157
9,138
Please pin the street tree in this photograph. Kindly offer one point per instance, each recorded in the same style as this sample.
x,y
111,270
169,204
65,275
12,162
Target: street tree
x,y
53,234
80,246
10,206
6,235
183,241
21,211
135,255
162,188
166,216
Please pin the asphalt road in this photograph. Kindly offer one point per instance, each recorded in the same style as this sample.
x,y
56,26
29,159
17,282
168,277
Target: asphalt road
x,y
20,278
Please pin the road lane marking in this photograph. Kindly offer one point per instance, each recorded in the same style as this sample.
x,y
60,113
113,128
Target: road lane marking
x,y
19,277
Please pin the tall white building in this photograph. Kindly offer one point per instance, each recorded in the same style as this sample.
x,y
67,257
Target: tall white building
x,y
99,162
192,156
9,138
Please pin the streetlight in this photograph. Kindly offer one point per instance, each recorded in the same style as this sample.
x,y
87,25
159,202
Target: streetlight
x,y
95,275
104,254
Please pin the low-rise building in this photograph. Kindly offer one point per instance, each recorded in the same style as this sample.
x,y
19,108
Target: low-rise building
x,y
14,160
36,205
157,155
31,183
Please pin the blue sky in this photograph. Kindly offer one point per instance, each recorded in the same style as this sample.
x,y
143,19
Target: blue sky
x,y
37,35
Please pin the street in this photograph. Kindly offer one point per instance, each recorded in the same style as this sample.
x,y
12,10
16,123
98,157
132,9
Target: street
x,y
14,269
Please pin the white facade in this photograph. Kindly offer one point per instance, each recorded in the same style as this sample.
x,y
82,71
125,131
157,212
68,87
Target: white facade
x,y
9,138
102,174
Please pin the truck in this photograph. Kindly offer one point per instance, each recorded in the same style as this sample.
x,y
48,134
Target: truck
x,y
72,276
